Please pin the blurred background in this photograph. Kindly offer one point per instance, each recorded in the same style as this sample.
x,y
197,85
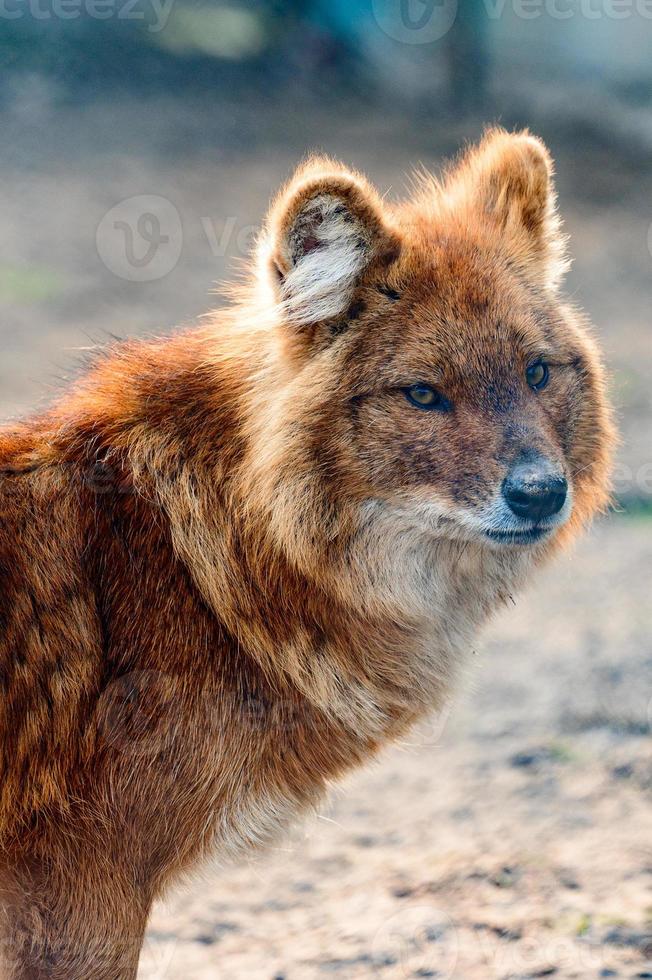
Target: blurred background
x,y
511,837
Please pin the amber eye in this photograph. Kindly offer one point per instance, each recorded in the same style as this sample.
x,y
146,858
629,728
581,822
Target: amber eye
x,y
538,375
423,396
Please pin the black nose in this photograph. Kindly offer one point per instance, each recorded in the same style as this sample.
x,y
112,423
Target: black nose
x,y
534,490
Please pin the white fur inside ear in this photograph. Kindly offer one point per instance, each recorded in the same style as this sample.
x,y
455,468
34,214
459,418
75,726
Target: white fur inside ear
x,y
329,250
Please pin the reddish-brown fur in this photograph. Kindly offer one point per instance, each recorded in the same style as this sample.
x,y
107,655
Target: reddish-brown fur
x,y
235,562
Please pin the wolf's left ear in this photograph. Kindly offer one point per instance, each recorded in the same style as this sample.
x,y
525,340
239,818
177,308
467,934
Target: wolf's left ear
x,y
509,178
326,227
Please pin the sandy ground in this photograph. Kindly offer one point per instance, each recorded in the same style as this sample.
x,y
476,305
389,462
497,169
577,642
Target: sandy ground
x,y
511,837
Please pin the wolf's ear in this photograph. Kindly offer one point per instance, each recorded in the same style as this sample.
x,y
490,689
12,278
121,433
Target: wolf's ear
x,y
509,177
326,227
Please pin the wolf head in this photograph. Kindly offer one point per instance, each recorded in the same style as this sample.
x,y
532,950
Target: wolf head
x,y
430,366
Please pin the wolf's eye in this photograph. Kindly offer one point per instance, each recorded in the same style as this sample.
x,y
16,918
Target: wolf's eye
x,y
538,375
390,293
423,396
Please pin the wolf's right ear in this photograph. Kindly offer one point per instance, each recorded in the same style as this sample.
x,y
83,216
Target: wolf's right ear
x,y
325,228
